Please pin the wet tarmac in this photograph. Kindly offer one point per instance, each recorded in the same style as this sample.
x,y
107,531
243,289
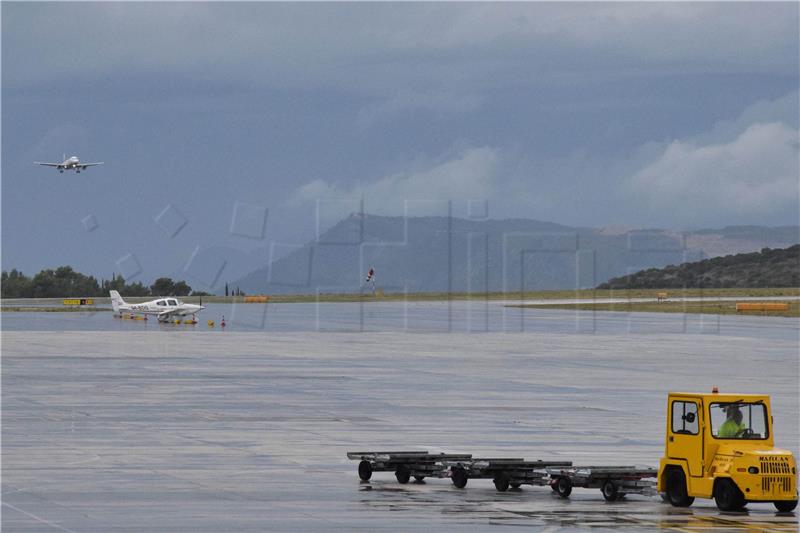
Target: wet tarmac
x,y
127,426
476,316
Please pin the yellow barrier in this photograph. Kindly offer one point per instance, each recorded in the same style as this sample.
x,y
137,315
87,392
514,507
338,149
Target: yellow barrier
x,y
78,301
261,299
761,306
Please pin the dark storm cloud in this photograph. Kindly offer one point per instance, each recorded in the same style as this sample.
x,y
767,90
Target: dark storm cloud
x,y
585,113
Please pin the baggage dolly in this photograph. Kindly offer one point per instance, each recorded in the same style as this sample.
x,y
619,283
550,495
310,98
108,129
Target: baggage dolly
x,y
405,464
613,481
504,472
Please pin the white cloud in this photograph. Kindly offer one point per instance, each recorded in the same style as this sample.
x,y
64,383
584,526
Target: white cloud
x,y
469,175
784,109
315,190
752,176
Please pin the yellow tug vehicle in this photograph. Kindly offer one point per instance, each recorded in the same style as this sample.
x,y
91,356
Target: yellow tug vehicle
x,y
721,446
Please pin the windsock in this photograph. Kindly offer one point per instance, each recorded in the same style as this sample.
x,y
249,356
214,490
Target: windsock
x,y
370,274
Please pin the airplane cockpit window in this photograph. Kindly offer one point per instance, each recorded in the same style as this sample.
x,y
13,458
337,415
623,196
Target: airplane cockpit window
x,y
161,302
172,302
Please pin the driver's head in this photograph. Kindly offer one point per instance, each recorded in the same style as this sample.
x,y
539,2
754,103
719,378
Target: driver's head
x,y
732,412
737,416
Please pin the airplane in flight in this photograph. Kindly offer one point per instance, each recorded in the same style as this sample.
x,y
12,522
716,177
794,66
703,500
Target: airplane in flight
x,y
71,163
164,309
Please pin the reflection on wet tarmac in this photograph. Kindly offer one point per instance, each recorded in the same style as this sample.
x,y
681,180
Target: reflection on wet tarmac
x,y
542,509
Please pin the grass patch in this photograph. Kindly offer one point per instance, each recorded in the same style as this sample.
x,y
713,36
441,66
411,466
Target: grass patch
x,y
48,309
55,303
526,295
704,307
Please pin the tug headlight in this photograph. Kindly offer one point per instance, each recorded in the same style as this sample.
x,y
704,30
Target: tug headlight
x,y
753,470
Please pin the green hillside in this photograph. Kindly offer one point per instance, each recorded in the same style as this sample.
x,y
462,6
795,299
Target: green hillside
x,y
767,268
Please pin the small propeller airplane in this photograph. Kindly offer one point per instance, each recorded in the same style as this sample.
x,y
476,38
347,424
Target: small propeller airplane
x,y
163,308
69,163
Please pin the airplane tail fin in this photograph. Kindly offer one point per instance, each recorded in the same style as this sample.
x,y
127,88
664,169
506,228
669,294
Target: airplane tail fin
x,y
116,300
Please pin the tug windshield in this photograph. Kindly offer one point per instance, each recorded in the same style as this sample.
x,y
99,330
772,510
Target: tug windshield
x,y
739,420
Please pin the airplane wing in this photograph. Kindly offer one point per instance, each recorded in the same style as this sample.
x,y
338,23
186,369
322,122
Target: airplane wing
x,y
168,313
47,164
84,165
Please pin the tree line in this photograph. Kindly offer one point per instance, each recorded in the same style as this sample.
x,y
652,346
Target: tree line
x,y
66,282
768,268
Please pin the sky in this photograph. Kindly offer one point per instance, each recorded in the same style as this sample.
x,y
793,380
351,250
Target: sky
x,y
253,126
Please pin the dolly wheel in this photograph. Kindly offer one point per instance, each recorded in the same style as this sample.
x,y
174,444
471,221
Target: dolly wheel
x,y
459,477
402,474
786,506
419,478
365,470
515,486
610,491
563,486
501,483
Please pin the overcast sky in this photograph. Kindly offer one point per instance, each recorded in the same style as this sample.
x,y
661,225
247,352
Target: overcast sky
x,y
210,116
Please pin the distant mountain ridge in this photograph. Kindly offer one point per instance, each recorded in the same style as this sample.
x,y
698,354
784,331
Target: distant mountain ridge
x,y
426,254
767,268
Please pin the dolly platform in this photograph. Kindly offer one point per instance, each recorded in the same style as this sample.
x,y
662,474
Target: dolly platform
x,y
504,472
613,481
405,464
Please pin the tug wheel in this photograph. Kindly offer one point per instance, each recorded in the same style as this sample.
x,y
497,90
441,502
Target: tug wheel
x,y
786,506
727,496
516,485
676,489
365,470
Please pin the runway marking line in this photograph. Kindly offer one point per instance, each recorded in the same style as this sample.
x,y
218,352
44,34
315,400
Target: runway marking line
x,y
37,518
